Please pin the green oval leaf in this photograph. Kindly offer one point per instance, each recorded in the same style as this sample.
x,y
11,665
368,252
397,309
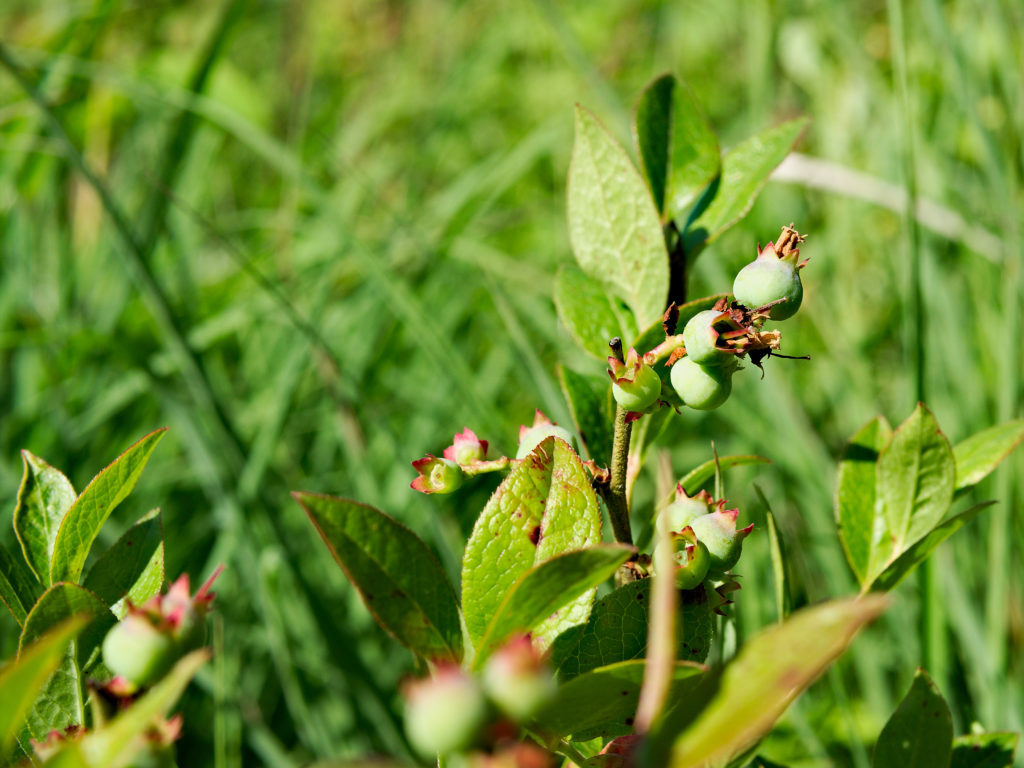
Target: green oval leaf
x,y
617,630
546,588
981,453
678,150
918,552
60,702
984,750
855,504
590,315
745,169
399,578
22,679
916,475
132,568
92,508
920,732
602,702
613,225
44,498
19,588
590,401
544,507
754,694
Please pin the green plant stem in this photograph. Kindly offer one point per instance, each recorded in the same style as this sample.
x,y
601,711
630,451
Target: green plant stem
x,y
615,496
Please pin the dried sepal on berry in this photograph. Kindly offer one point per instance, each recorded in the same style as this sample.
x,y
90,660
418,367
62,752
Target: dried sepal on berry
x,y
772,281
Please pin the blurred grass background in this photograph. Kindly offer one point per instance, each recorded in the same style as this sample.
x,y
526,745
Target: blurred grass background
x,y
317,238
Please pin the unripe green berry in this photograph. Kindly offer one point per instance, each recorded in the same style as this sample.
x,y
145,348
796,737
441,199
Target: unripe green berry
x,y
768,279
681,512
138,651
641,393
534,436
701,387
692,562
717,531
517,679
700,340
445,713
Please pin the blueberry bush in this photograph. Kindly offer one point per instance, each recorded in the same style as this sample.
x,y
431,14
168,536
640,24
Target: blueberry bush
x,y
566,640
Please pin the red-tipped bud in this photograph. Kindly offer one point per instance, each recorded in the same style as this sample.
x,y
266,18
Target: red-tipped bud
x,y
635,385
518,680
466,448
685,509
717,531
543,428
445,713
436,475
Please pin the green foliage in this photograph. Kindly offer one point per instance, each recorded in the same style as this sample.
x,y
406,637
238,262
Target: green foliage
x,y
533,603
543,508
591,316
678,149
602,701
614,226
22,679
754,694
895,489
400,580
920,732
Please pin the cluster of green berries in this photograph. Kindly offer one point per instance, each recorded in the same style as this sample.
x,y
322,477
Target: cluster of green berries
x,y
713,341
454,711
706,541
142,647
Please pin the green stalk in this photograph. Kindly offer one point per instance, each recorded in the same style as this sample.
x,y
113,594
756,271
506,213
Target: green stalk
x,y
615,496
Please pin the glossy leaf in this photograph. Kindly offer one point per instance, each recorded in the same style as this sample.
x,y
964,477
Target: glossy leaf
x,y
544,507
754,694
617,631
21,680
592,317
918,552
745,169
693,480
602,702
119,741
399,578
590,402
132,568
916,475
60,701
981,453
92,508
856,505
984,750
920,732
546,588
19,588
678,150
613,224
44,498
